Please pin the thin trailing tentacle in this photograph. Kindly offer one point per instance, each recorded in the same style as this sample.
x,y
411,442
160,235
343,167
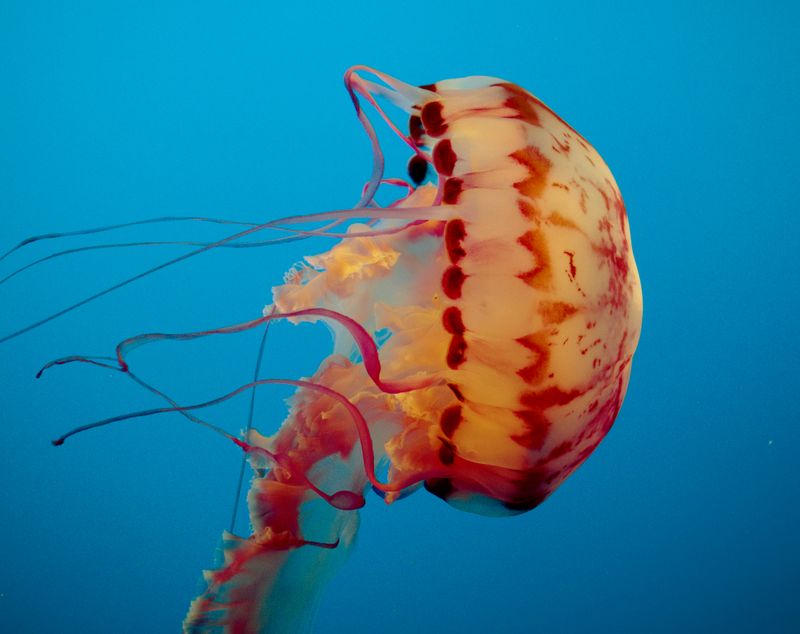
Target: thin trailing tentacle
x,y
250,413
102,362
355,85
154,243
343,500
123,225
298,235
414,214
355,414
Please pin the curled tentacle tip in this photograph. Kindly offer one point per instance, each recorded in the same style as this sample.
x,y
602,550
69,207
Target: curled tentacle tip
x,y
241,443
57,442
40,373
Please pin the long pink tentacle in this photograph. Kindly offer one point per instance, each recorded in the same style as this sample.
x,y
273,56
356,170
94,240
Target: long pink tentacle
x,y
123,225
343,500
365,343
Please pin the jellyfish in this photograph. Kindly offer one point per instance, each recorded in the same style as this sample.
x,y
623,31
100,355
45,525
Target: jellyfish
x,y
483,330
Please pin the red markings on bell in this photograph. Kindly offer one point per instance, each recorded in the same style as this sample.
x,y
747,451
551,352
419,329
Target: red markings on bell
x,y
519,100
547,398
532,277
538,166
530,240
534,373
590,346
432,118
447,452
555,312
454,234
572,269
561,147
452,281
560,450
540,275
536,341
528,210
557,219
452,190
452,322
450,420
536,429
444,158
456,391
456,353
415,128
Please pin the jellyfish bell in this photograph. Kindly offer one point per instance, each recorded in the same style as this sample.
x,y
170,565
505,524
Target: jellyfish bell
x,y
483,331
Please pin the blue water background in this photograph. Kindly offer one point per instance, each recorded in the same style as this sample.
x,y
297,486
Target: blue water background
x,y
686,517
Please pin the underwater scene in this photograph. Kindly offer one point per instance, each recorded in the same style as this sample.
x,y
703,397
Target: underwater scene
x,y
356,318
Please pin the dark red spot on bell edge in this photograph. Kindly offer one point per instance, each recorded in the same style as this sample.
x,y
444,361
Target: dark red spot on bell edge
x,y
456,353
450,420
452,190
522,506
447,452
415,128
417,169
444,158
454,234
452,281
452,322
456,391
440,487
432,118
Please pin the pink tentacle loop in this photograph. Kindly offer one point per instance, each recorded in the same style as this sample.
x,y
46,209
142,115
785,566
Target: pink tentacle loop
x,y
364,341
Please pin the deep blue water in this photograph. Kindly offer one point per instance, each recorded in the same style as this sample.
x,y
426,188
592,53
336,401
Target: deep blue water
x,y
686,519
